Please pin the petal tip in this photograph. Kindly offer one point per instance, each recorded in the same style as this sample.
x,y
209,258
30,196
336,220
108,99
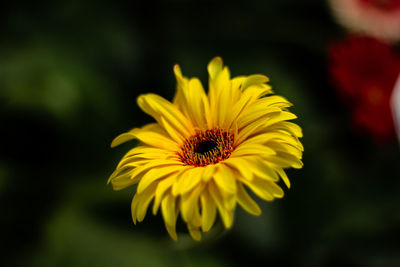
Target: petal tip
x,y
113,144
177,70
265,77
258,213
122,138
217,58
216,62
139,100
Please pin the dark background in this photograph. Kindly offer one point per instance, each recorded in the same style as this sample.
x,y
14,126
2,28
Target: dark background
x,y
70,73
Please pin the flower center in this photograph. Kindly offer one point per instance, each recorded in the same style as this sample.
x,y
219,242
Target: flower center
x,y
207,147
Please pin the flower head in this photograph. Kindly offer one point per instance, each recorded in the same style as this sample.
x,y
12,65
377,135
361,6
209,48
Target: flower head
x,y
364,71
377,18
205,149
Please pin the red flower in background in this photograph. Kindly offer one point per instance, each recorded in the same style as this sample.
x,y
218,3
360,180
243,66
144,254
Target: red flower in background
x,y
378,18
365,70
383,5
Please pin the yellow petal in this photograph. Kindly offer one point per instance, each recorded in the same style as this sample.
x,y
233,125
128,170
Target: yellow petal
x,y
241,165
257,90
261,125
262,169
157,107
236,88
214,67
284,177
191,98
144,201
195,103
208,211
172,232
196,219
266,188
162,187
253,115
122,178
194,232
274,189
209,171
151,164
252,149
284,160
193,178
285,138
187,180
224,178
207,112
189,203
247,202
258,186
170,215
155,139
135,201
286,146
250,166
283,116
168,209
148,156
275,101
224,99
125,170
123,181
177,186
171,131
144,155
255,79
269,102
293,128
122,138
180,98
134,162
238,108
226,215
229,200
264,138
219,82
138,150
248,130
155,174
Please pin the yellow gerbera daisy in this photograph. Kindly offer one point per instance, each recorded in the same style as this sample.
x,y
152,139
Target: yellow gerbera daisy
x,y
205,149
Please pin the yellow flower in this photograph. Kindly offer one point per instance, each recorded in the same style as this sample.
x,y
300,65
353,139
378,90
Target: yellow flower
x,y
206,149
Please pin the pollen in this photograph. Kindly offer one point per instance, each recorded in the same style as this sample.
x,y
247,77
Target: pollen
x,y
207,147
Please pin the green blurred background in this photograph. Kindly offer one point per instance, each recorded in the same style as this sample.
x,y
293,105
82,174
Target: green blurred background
x,y
70,73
